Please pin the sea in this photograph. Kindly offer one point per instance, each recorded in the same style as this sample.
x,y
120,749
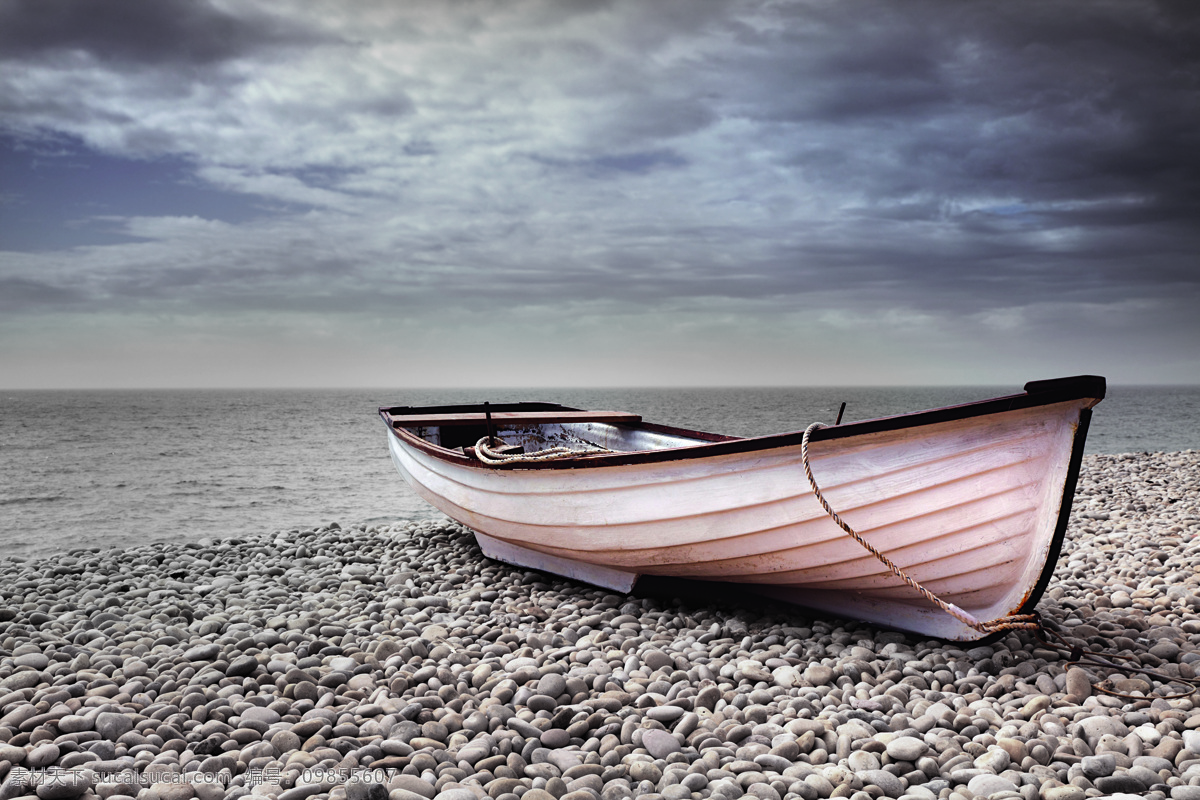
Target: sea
x,y
119,469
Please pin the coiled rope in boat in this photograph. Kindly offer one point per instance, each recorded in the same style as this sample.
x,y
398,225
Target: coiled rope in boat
x,y
1028,622
485,453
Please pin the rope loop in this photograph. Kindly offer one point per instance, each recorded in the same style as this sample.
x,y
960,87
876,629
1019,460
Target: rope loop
x,y
1026,622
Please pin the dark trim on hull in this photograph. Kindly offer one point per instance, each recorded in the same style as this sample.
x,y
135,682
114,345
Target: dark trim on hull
x,y
1038,393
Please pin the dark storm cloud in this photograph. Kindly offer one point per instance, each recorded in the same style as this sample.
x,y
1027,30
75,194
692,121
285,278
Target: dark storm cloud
x,y
617,164
1042,101
1042,140
136,32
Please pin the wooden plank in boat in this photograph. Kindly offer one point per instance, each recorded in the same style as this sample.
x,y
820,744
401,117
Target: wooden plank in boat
x,y
513,417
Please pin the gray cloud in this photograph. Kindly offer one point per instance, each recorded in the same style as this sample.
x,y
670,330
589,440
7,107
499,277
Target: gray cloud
x,y
21,294
128,33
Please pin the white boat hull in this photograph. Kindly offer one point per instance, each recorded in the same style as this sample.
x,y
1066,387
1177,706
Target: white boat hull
x,y
969,507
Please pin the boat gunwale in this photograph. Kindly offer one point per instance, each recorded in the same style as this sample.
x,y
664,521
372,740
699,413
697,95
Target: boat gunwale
x,y
1036,394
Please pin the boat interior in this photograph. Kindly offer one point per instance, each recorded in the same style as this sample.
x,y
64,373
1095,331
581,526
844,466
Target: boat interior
x,y
530,427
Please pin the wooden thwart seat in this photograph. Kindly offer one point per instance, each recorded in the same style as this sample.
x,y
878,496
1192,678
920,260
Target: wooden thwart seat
x,y
502,418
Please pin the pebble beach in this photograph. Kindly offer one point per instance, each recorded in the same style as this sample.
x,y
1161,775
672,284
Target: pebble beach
x,y
357,662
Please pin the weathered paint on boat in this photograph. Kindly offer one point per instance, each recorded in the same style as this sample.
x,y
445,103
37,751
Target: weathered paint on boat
x,y
971,500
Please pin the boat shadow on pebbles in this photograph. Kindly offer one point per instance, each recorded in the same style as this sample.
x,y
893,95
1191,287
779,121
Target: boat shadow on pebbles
x,y
365,663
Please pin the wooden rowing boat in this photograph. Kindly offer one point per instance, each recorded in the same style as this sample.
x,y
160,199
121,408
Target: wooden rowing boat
x,y
971,500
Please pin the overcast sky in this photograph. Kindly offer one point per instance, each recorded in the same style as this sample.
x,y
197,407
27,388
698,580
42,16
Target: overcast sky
x,y
550,193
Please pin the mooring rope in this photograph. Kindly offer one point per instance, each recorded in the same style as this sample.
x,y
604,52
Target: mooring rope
x,y
1027,622
485,453
1078,655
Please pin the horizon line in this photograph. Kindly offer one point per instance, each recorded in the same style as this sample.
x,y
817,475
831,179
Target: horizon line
x,y
560,387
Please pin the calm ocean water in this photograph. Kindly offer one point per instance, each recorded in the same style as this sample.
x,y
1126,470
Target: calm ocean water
x,y
118,469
